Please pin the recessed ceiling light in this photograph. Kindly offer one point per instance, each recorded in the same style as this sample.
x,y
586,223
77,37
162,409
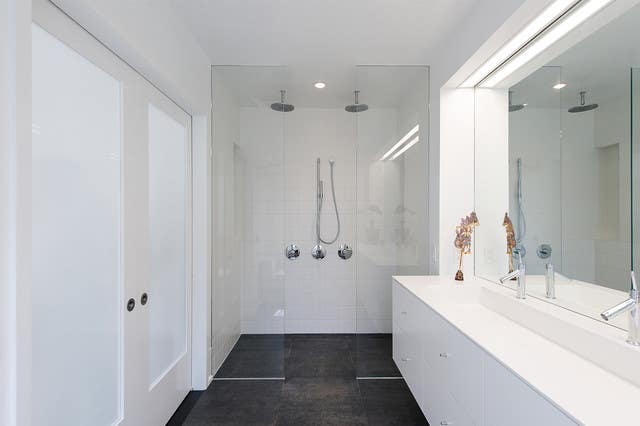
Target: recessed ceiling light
x,y
320,85
560,85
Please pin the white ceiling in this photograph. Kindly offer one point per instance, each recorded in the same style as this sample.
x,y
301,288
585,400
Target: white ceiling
x,y
600,65
322,39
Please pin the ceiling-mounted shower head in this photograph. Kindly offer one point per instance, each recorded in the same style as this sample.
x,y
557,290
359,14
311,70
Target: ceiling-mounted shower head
x,y
583,107
356,107
281,106
516,107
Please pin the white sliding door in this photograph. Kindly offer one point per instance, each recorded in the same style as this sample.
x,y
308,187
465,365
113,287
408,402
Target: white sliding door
x,y
111,236
77,283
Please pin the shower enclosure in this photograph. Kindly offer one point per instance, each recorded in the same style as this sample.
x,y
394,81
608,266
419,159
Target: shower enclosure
x,y
316,205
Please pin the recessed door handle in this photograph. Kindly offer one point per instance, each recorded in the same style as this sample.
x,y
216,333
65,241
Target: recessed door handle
x,y
444,355
446,423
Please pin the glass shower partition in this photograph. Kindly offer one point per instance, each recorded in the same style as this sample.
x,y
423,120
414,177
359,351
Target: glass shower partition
x,y
392,202
635,169
248,295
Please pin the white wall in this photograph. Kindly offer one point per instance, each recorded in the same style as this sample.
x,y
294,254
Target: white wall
x,y
451,131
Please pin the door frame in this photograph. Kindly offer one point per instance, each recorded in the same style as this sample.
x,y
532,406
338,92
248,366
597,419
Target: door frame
x,y
15,212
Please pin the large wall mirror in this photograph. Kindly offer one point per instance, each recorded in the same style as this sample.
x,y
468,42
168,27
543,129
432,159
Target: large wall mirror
x,y
556,150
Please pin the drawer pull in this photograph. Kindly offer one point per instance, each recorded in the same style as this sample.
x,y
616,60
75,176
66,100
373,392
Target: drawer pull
x,y
406,359
446,422
404,312
444,355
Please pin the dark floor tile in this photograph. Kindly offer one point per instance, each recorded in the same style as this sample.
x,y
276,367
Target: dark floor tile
x,y
238,402
255,356
321,401
390,402
185,408
321,355
374,356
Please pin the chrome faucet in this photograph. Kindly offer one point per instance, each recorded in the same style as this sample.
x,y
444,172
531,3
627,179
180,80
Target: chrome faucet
x,y
520,274
550,281
630,305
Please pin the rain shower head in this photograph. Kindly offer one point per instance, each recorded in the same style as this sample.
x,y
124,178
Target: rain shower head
x,y
582,107
281,106
514,107
356,107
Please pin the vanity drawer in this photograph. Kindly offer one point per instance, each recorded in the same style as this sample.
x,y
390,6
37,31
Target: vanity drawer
x,y
456,362
407,309
510,401
438,405
407,356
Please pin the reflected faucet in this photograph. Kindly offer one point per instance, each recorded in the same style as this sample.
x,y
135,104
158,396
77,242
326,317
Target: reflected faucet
x,y
630,305
520,274
550,281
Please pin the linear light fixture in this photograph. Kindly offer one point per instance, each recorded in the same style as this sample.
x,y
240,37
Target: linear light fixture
x,y
550,14
549,37
406,147
400,142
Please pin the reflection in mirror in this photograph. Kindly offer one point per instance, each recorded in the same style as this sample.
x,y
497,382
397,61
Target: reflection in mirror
x,y
569,172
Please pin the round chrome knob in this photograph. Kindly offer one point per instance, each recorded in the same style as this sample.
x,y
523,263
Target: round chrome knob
x,y
318,252
345,252
292,251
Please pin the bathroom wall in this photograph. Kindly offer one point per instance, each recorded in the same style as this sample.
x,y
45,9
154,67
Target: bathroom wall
x,y
308,295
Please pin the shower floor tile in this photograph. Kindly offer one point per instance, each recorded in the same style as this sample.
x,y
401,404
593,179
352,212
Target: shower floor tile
x,y
320,388
310,355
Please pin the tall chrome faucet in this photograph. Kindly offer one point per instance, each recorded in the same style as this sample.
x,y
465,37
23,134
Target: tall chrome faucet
x,y
520,274
630,305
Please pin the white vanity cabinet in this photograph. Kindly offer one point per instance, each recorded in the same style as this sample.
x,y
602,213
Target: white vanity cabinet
x,y
455,381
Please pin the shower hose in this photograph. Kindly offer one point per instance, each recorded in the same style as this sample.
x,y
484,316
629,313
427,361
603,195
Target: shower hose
x,y
319,210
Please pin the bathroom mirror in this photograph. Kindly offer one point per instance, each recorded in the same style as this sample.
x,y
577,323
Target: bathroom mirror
x,y
554,152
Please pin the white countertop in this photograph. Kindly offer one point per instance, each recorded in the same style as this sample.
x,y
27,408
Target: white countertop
x,y
585,391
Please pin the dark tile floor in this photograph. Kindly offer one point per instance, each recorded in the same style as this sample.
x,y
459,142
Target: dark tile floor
x,y
310,355
318,384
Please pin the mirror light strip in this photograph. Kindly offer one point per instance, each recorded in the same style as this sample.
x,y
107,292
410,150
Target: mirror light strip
x,y
406,147
400,142
547,39
551,13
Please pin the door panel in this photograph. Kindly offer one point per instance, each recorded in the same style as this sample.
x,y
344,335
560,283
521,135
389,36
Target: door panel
x,y
77,285
167,221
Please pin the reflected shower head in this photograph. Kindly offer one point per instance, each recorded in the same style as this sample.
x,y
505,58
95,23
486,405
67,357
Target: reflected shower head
x,y
582,107
281,106
356,107
516,107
